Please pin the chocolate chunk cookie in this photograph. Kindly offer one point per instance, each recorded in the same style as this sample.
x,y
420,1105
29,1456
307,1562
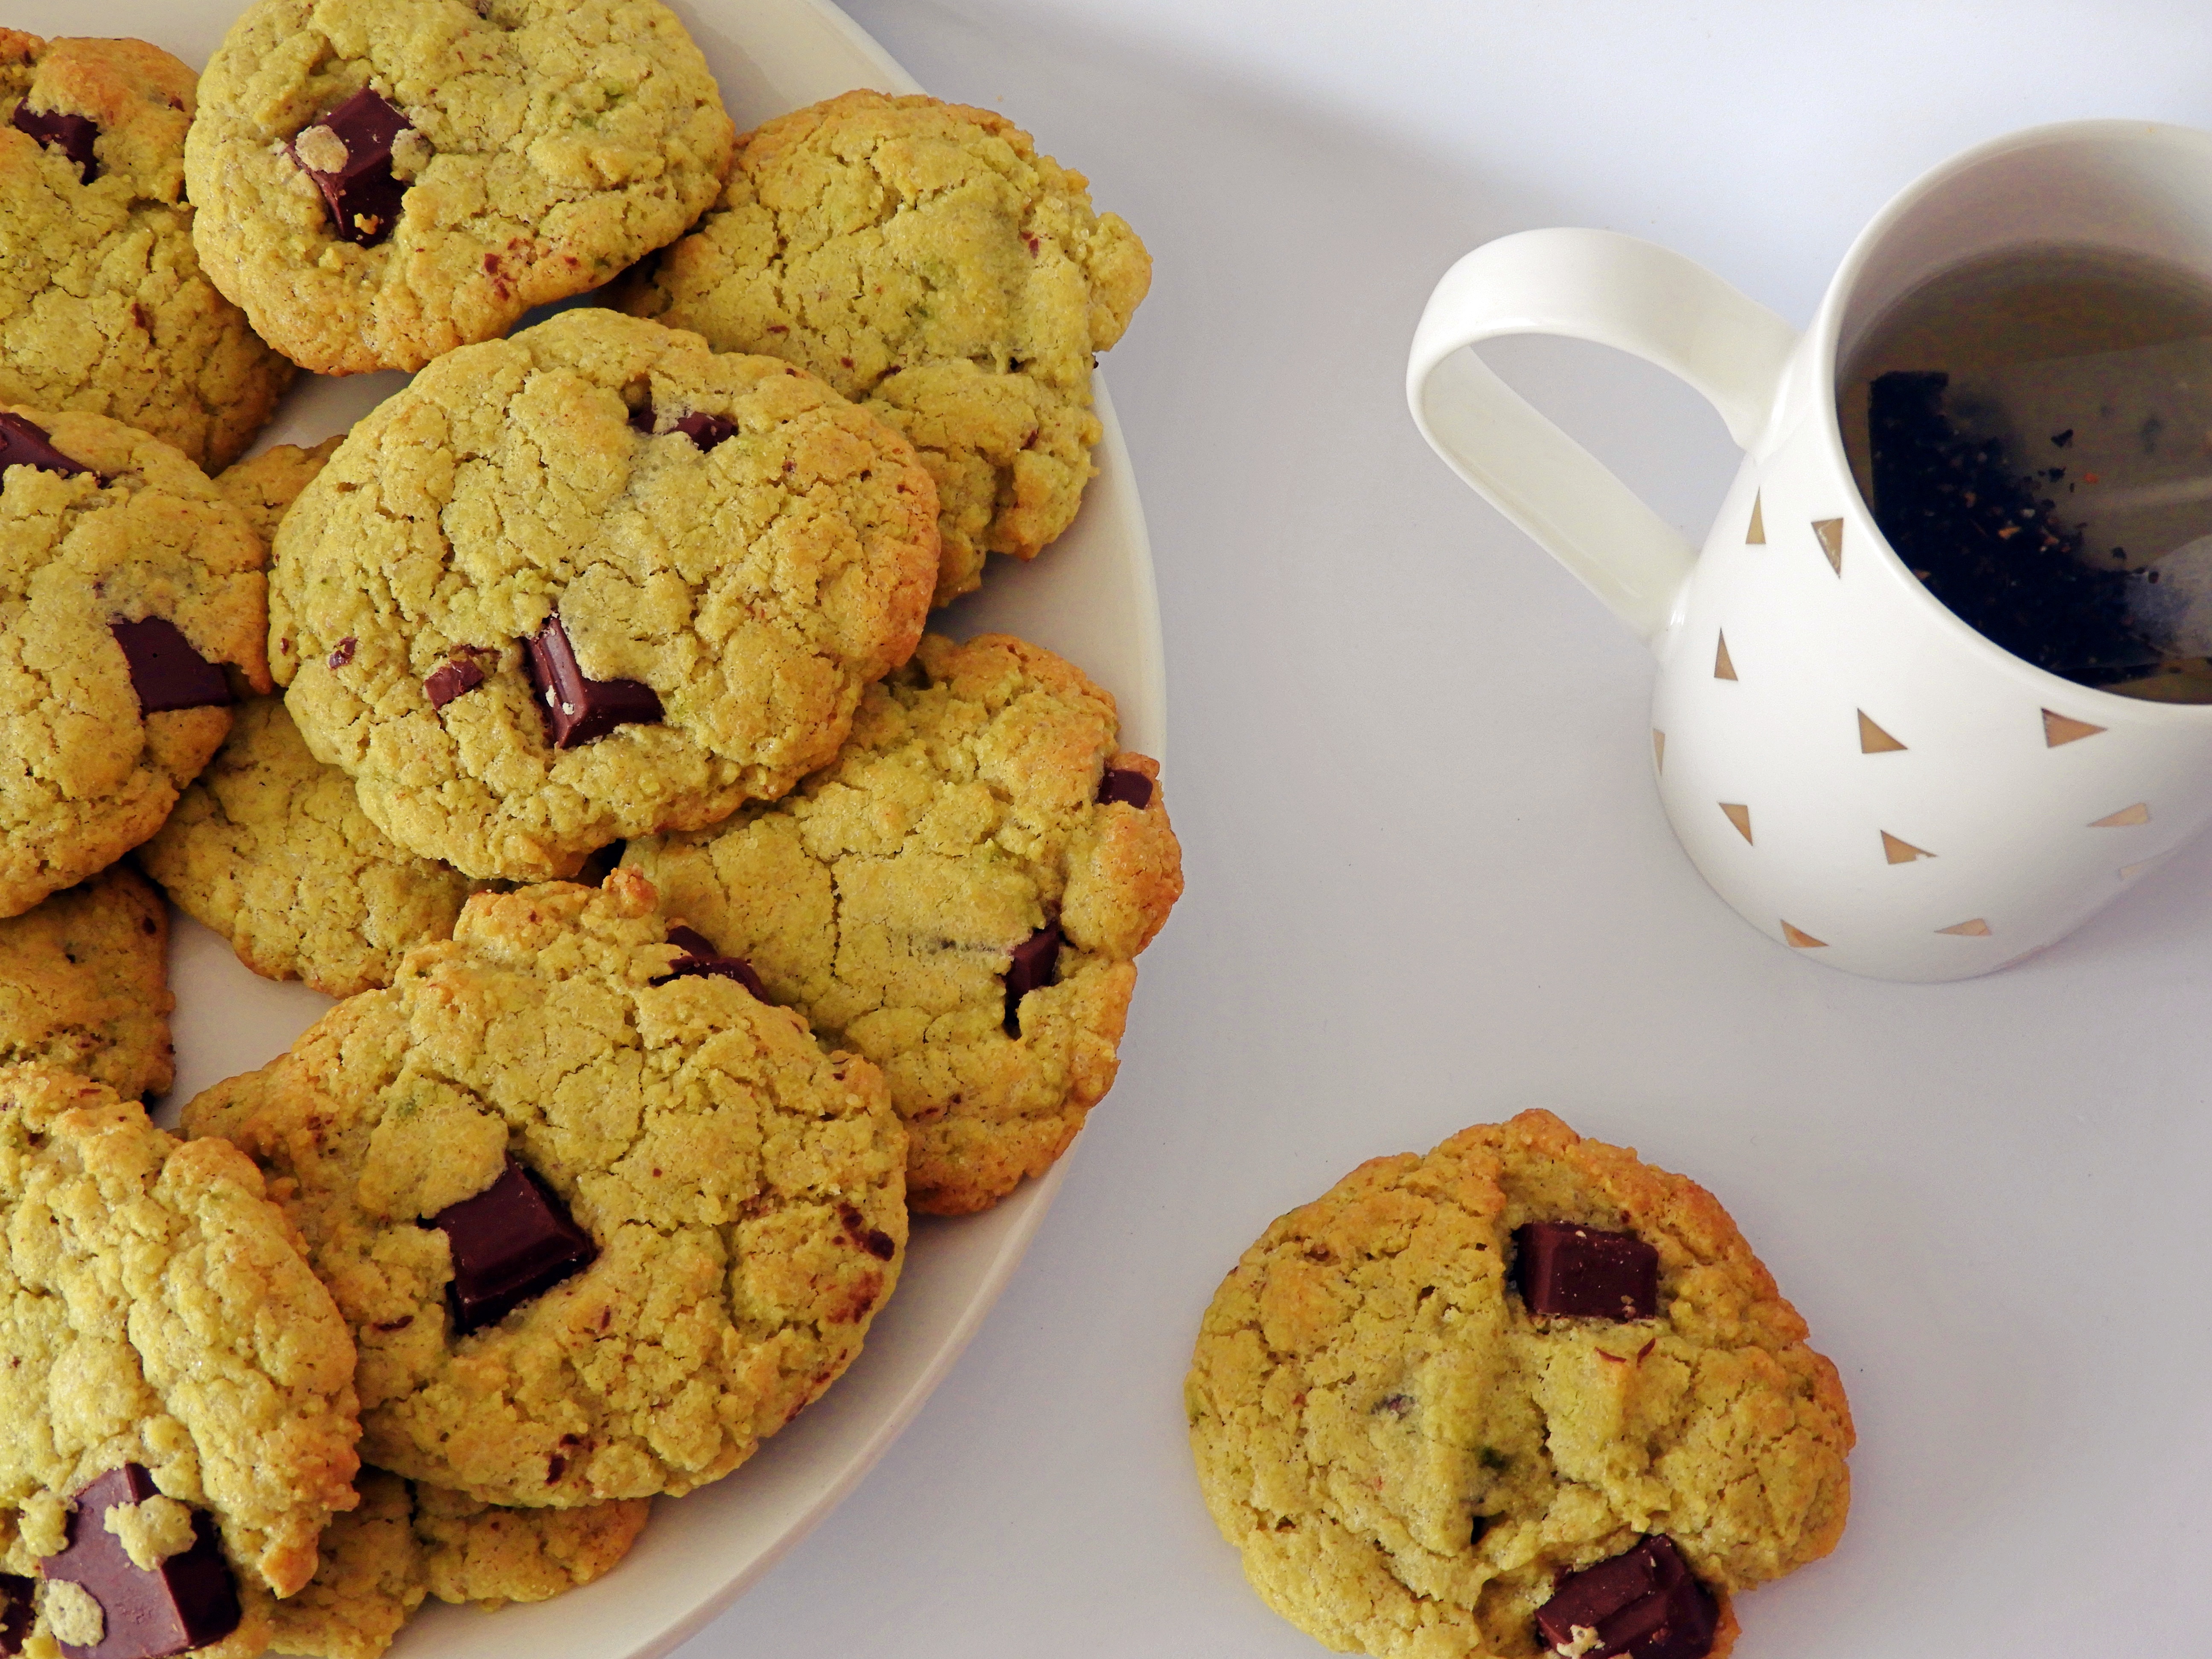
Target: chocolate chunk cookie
x,y
406,1541
103,306
594,581
84,985
600,1227
958,896
127,585
176,1418
380,181
1415,1458
271,849
924,258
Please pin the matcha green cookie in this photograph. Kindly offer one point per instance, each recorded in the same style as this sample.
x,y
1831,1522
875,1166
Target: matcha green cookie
x,y
103,306
958,896
922,258
159,1329
84,984
718,1206
271,849
264,486
508,153
406,1541
127,585
1415,1446
594,581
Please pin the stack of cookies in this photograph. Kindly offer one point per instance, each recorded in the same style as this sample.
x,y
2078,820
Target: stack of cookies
x,y
694,912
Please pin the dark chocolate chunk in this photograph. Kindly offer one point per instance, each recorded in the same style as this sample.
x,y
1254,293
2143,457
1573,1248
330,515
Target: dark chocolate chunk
x,y
187,1602
1561,1268
1036,963
16,1612
1128,787
362,196
72,135
874,1240
704,430
25,443
511,1241
164,671
343,655
1644,1604
576,709
699,957
450,679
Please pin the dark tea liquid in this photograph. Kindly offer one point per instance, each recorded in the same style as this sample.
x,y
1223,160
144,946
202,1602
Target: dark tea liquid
x,y
2033,431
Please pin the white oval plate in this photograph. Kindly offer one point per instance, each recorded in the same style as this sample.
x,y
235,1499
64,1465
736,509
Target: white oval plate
x,y
1090,597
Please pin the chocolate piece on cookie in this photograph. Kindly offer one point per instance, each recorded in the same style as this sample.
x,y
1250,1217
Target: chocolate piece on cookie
x,y
176,1388
511,1241
924,259
1560,1268
381,181
1413,1462
698,1139
103,306
130,587
565,632
950,898
83,984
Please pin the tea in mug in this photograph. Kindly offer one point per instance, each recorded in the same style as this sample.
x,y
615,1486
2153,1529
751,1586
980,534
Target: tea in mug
x,y
2033,431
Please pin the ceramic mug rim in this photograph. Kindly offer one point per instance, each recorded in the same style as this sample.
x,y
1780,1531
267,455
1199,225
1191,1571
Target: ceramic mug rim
x,y
1823,340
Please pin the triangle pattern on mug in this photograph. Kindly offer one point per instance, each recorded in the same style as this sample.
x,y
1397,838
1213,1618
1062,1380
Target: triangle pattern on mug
x,y
2059,728
1975,929
1901,851
2126,818
1801,940
1722,668
1831,532
1738,815
1873,740
1756,536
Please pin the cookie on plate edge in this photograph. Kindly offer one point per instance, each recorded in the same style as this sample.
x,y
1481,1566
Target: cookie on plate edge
x,y
1523,1394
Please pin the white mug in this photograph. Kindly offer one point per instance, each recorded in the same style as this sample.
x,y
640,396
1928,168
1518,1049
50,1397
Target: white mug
x,y
1859,773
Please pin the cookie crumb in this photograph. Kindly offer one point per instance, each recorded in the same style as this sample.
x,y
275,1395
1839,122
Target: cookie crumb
x,y
73,1616
152,1531
320,149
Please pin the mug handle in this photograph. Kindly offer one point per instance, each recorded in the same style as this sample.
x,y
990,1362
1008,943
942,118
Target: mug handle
x,y
1617,291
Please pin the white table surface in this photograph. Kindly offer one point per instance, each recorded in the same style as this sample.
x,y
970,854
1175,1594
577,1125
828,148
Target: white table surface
x,y
1429,882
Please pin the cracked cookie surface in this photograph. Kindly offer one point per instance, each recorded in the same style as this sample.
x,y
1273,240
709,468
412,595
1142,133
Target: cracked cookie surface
x,y
754,586
103,305
745,1194
924,259
885,897
408,1541
264,486
551,142
156,1309
270,848
84,774
84,984
1406,1457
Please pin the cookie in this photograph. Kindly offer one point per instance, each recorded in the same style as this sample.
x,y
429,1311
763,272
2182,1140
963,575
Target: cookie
x,y
127,585
709,1208
103,306
1419,1445
84,984
265,487
271,849
922,258
406,1541
381,181
593,582
959,896
176,1418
